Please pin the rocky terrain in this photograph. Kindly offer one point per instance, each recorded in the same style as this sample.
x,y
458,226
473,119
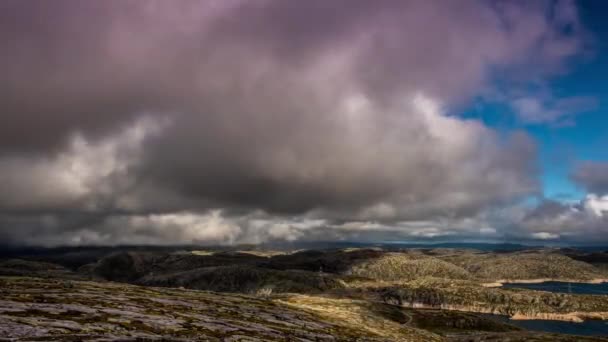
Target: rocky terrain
x,y
325,295
47,309
35,309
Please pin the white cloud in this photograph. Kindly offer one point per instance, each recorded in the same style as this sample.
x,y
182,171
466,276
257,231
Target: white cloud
x,y
546,109
545,236
185,227
598,205
79,177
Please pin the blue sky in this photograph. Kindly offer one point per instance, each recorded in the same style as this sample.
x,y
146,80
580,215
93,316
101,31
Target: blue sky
x,y
585,137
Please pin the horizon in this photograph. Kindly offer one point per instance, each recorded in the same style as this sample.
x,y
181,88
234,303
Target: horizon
x,y
285,122
322,245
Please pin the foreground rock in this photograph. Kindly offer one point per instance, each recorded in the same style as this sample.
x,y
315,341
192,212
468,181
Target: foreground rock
x,y
37,309
46,309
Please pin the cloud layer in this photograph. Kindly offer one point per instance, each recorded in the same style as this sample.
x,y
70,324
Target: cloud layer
x,y
237,121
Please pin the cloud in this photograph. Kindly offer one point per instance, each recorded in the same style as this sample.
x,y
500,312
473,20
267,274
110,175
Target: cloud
x,y
534,110
597,205
92,67
84,176
237,121
89,229
409,160
592,176
582,222
545,236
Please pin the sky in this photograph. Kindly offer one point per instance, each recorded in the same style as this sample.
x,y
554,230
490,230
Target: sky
x,y
234,121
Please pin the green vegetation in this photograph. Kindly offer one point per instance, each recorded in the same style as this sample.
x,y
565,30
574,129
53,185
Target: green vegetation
x,y
402,266
524,265
477,298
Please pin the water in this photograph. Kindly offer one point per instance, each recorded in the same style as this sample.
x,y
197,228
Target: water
x,y
587,328
562,287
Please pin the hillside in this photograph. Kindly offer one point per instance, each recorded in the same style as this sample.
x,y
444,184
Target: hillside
x,y
246,279
471,297
131,265
329,261
524,265
19,267
402,266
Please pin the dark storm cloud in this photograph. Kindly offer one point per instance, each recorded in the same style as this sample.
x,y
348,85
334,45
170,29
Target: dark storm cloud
x,y
73,65
231,121
56,74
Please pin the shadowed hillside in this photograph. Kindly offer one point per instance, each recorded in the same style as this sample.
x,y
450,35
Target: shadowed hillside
x,y
130,266
246,279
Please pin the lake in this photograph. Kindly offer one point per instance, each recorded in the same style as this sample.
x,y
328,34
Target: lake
x,y
563,287
587,328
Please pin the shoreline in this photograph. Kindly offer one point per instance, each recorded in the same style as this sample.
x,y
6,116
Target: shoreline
x,y
501,282
575,317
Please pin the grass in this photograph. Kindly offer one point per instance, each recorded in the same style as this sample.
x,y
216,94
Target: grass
x,y
377,319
